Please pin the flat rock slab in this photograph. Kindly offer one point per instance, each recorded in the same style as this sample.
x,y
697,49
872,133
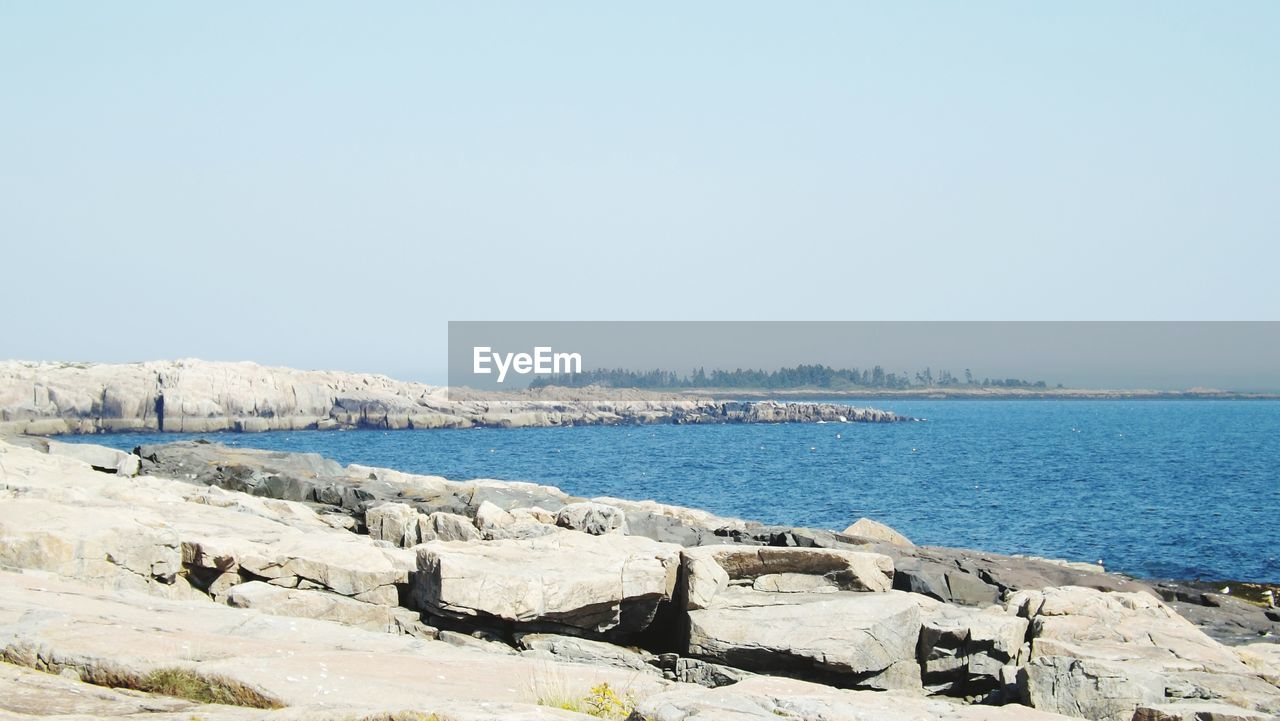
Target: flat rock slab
x,y
48,621
761,698
596,584
854,634
1105,655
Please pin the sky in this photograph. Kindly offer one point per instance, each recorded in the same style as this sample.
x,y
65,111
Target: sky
x,y
325,185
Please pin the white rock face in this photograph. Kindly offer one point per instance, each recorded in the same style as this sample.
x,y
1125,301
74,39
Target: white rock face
x,y
197,396
590,517
596,584
709,569
1106,655
396,523
325,606
824,610
765,698
876,531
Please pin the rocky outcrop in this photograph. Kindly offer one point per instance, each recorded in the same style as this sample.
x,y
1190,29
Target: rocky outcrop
x,y
193,396
1110,655
307,578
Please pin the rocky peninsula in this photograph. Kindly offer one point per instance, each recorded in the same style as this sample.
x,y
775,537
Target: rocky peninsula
x,y
193,396
194,580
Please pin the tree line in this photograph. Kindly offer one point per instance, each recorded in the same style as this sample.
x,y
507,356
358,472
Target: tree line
x,y
801,376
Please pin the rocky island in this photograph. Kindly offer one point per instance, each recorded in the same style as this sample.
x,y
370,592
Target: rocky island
x,y
193,396
195,580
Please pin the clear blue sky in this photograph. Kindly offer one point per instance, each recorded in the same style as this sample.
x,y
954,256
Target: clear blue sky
x,y
326,184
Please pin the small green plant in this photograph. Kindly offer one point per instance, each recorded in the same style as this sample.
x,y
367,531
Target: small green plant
x,y
601,701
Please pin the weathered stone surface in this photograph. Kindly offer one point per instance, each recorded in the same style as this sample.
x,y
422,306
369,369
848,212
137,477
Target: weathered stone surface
x,y
582,650
496,523
765,698
315,667
965,652
446,527
597,584
710,569
1103,655
100,458
590,517
852,635
877,532
396,523
324,606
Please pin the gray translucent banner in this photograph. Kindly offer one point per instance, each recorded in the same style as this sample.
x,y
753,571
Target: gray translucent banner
x,y
865,358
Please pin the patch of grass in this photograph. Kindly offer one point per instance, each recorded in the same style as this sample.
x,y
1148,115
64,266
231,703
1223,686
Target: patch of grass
x,y
601,701
187,684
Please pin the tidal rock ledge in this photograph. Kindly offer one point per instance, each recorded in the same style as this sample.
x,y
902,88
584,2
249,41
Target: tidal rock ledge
x,y
356,592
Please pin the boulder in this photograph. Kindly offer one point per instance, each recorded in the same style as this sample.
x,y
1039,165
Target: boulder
x,y
594,584
396,523
1104,655
866,639
100,458
966,652
878,532
495,523
446,527
590,517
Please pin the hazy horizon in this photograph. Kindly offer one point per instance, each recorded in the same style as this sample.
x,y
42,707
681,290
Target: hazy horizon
x,y
326,186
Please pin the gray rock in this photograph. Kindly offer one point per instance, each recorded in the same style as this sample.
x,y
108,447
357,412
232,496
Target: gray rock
x,y
590,517
395,523
582,650
855,635
446,527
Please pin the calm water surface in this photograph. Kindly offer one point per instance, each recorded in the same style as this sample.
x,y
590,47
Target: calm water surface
x,y
1187,489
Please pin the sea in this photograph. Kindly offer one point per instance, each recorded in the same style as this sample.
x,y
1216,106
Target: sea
x,y
1186,489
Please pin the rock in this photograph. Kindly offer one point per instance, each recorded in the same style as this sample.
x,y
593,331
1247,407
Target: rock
x,y
709,569
495,523
878,532
101,458
325,606
590,517
472,641
965,652
1197,711
319,669
393,522
794,583
446,527
196,396
767,698
1104,655
581,650
856,636
596,584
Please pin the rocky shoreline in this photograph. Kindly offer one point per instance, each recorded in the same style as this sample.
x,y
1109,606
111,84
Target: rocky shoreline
x,y
357,592
193,396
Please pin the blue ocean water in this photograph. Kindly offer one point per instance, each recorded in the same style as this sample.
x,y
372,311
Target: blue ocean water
x,y
1180,489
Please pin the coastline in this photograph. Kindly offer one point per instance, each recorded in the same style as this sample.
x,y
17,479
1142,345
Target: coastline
x,y
481,580
193,396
